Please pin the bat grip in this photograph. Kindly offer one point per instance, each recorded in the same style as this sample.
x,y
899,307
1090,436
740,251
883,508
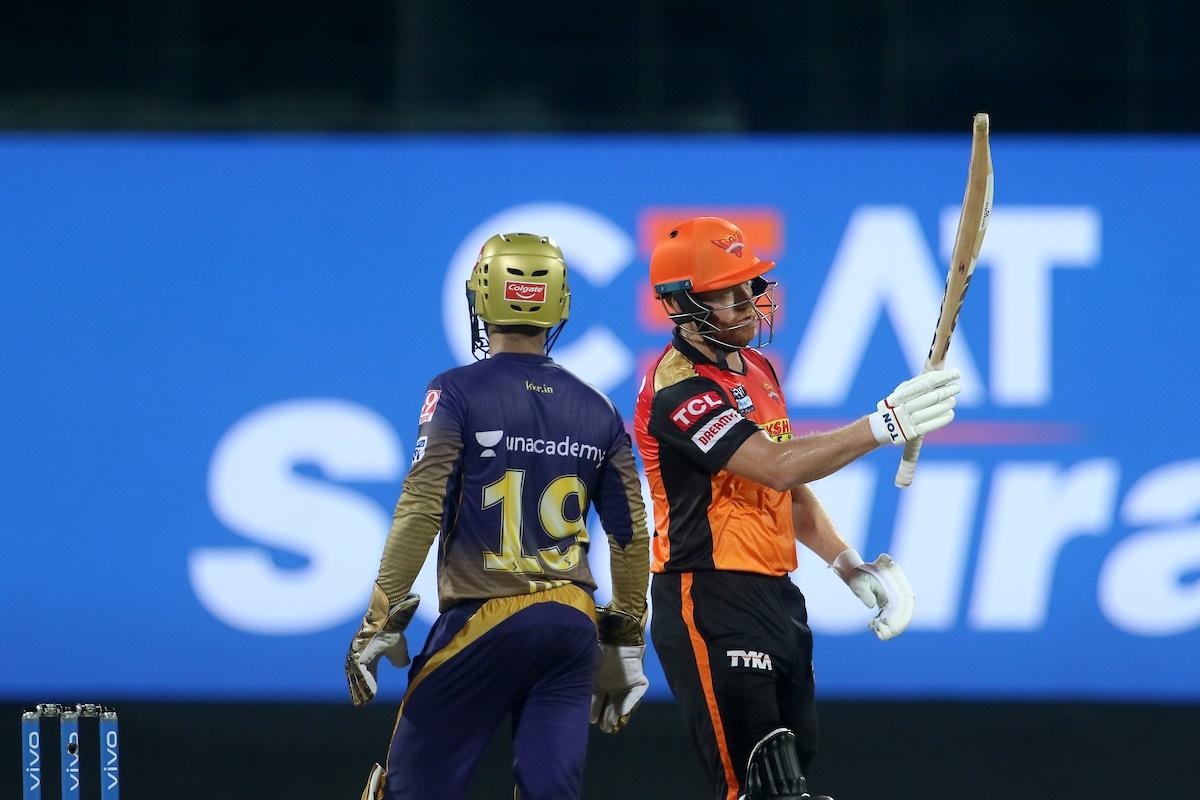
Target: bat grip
x,y
908,463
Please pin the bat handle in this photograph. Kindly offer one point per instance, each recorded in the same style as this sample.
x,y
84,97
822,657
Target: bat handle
x,y
912,450
908,463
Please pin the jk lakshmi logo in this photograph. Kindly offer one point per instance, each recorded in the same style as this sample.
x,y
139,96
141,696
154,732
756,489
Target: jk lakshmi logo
x,y
778,429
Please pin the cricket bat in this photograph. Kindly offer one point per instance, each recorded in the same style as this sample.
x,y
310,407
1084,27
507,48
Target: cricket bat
x,y
972,225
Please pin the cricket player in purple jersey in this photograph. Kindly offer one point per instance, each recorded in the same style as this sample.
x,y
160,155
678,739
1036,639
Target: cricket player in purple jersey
x,y
511,453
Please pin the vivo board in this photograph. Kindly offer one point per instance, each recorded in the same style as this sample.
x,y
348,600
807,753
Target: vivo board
x,y
216,347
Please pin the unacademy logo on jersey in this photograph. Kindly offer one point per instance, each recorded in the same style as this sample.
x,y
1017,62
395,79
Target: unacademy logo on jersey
x,y
487,440
566,447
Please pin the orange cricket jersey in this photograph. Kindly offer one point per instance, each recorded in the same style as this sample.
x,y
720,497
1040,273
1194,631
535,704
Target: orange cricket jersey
x,y
692,415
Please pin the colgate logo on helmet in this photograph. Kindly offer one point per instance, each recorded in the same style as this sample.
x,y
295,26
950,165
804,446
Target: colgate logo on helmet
x,y
525,291
731,244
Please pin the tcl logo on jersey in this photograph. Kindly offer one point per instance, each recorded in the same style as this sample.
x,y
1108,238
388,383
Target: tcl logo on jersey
x,y
692,409
718,426
429,406
525,292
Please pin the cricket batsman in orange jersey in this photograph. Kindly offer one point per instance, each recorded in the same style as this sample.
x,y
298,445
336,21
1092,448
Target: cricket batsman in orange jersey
x,y
728,481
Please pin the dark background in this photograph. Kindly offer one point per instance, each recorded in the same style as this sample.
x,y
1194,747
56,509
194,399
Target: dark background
x,y
656,65
872,751
659,65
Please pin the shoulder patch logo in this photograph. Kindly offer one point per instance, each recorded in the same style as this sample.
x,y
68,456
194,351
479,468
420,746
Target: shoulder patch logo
x,y
778,429
419,450
694,408
707,437
429,406
744,403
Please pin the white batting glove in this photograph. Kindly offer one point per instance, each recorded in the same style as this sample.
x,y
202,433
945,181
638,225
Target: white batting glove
x,y
619,685
918,406
879,584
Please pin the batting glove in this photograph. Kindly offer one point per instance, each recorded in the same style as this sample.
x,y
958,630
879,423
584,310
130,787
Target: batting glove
x,y
619,685
879,584
381,634
918,406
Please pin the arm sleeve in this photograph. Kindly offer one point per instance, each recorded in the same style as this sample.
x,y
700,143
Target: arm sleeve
x,y
623,514
418,513
695,418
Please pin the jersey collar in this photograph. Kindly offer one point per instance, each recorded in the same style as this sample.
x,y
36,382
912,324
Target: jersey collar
x,y
696,357
532,358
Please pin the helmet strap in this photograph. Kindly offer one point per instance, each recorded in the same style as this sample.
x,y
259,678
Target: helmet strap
x,y
479,340
552,336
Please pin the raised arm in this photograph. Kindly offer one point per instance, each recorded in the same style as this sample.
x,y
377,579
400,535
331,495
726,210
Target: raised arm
x,y
917,407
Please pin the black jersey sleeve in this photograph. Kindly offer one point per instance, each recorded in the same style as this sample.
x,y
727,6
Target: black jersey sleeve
x,y
695,417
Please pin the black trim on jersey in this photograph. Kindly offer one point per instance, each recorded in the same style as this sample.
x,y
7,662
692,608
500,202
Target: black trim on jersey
x,y
671,436
689,494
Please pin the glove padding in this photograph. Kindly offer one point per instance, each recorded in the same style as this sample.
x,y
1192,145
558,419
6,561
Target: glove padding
x,y
619,685
881,583
381,634
918,406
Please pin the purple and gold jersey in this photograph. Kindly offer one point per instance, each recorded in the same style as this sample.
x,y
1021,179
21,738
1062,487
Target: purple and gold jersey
x,y
511,453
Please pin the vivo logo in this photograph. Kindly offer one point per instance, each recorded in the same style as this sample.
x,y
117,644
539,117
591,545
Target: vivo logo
x,y
110,769
33,769
71,768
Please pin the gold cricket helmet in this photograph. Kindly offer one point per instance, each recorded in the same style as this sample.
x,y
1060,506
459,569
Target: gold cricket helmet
x,y
520,279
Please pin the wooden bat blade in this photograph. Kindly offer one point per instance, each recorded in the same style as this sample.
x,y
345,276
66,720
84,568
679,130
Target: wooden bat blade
x,y
972,225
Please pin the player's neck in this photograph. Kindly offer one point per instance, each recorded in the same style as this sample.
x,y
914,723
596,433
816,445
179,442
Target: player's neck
x,y
516,343
730,357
